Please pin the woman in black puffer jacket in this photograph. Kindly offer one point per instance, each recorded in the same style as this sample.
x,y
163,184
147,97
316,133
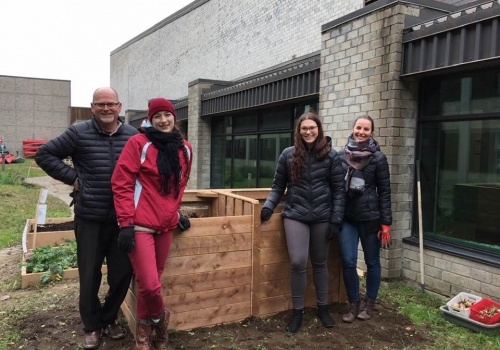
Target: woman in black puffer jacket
x,y
312,174
367,215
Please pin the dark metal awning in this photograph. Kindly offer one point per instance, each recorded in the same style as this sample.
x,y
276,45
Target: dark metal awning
x,y
470,36
296,80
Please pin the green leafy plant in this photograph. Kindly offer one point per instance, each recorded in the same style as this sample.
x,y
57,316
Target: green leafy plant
x,y
52,261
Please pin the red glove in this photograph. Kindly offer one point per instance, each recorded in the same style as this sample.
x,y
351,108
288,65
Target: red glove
x,y
385,236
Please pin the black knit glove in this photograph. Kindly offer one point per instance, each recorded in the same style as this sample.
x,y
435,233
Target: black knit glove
x,y
184,223
126,238
333,231
265,214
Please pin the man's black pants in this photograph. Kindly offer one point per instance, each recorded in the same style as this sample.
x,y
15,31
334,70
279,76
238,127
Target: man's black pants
x,y
97,241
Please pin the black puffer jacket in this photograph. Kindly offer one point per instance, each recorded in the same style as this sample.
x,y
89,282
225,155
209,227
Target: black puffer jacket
x,y
375,201
317,197
94,153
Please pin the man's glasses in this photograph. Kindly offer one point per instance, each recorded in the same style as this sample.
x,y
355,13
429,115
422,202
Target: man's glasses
x,y
106,104
307,128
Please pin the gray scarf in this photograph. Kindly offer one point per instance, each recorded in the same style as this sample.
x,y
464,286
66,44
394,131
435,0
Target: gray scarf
x,y
357,155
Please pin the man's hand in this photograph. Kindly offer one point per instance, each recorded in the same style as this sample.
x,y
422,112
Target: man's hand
x,y
265,214
385,236
333,231
184,223
126,238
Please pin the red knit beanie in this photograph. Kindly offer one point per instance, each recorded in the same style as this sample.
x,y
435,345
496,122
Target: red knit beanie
x,y
160,104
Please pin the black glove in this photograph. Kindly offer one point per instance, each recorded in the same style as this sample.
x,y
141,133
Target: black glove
x,y
184,223
265,214
333,231
126,238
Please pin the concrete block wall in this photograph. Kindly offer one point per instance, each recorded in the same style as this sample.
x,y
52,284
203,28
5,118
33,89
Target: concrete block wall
x,y
32,108
220,40
449,275
360,68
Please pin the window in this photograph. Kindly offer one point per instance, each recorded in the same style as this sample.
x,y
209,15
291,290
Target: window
x,y
460,161
246,146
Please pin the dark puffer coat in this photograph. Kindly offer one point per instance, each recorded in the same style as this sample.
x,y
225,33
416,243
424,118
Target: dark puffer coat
x,y
94,153
317,197
375,201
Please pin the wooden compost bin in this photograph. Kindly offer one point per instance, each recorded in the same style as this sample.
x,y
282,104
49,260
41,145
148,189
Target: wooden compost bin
x,y
32,239
228,266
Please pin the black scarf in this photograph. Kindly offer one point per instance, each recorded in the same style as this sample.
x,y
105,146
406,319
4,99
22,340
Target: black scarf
x,y
357,155
168,144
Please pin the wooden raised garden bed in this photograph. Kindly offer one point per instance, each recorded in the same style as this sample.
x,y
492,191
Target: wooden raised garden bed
x,y
228,266
54,232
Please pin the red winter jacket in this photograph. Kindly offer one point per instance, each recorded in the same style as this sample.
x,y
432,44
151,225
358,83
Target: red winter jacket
x,y
136,182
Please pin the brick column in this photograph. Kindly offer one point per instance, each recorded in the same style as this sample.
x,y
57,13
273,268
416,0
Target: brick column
x,y
360,69
199,135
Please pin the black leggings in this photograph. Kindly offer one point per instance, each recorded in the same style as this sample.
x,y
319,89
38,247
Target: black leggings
x,y
304,239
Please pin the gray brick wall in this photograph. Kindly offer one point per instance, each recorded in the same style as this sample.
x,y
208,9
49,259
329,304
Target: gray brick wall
x,y
449,275
361,63
220,40
32,108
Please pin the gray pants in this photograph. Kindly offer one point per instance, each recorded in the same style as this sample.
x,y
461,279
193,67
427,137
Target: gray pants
x,y
304,239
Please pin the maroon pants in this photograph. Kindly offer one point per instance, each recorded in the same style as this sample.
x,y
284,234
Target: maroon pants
x,y
148,260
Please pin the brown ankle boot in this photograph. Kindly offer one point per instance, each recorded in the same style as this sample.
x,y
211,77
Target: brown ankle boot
x,y
351,313
160,339
143,336
367,310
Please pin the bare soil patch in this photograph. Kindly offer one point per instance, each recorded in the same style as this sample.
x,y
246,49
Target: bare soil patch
x,y
48,319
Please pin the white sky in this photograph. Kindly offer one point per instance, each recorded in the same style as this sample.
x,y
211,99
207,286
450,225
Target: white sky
x,y
73,40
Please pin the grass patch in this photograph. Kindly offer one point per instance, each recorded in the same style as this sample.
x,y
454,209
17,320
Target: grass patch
x,y
19,201
423,310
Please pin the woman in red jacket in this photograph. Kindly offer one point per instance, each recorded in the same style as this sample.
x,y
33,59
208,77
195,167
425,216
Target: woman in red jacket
x,y
148,183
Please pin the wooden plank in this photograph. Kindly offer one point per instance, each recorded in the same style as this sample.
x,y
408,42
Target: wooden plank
x,y
274,288
210,244
221,205
273,239
33,279
230,206
52,238
248,209
180,284
275,223
201,194
238,207
131,301
271,272
207,262
273,256
208,298
210,316
218,226
253,193
232,194
48,221
130,316
274,305
256,258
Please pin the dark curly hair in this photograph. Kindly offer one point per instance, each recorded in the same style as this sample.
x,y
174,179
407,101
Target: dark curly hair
x,y
321,148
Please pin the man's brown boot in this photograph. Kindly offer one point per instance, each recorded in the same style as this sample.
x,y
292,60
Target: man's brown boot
x,y
143,336
351,313
160,339
92,340
367,309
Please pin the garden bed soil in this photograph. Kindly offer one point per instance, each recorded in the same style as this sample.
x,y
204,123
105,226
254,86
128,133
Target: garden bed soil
x,y
53,322
62,226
